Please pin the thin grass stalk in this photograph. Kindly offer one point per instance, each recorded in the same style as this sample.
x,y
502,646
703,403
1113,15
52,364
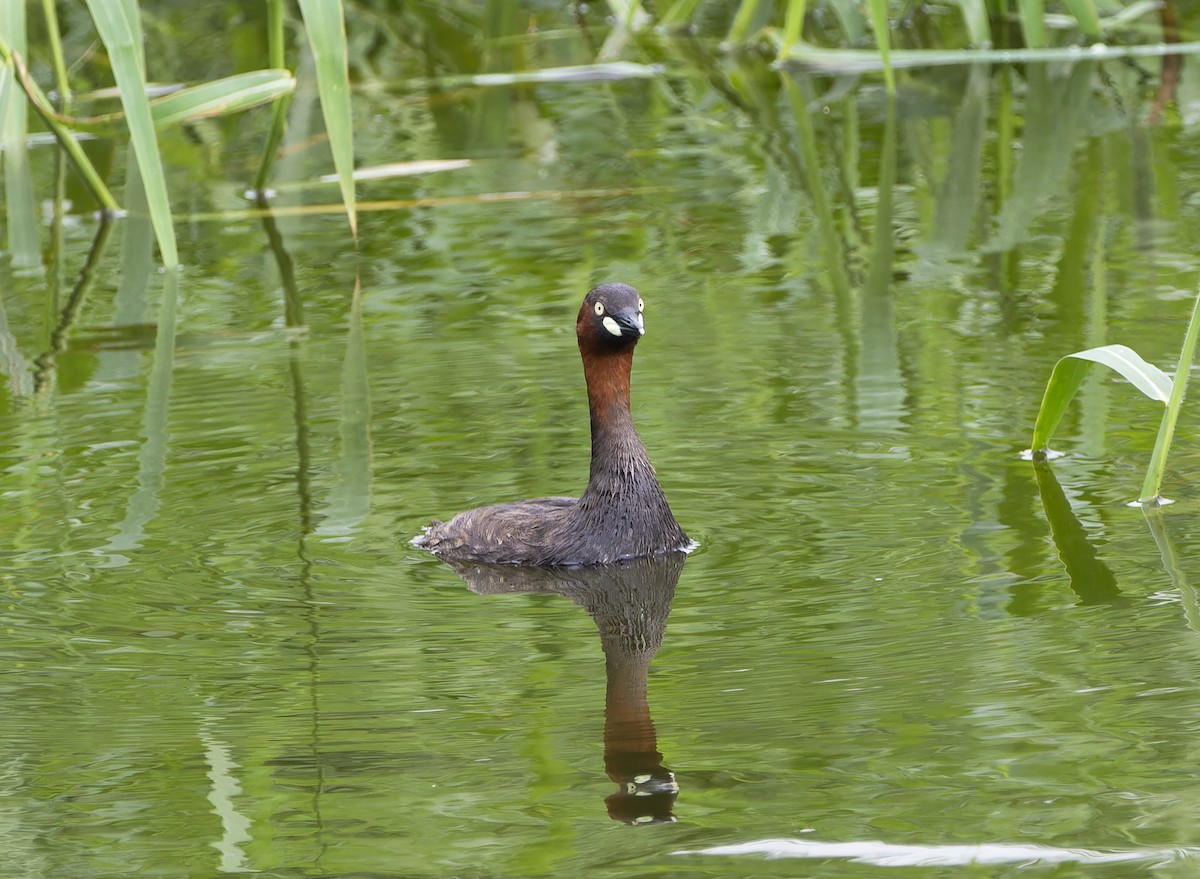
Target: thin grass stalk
x,y
41,104
62,104
276,50
54,266
20,201
975,18
1152,485
793,23
61,81
740,29
631,10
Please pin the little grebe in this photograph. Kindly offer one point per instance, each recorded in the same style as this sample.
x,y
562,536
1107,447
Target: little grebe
x,y
623,512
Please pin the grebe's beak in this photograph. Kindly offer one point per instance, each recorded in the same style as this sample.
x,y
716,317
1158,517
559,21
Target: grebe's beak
x,y
626,322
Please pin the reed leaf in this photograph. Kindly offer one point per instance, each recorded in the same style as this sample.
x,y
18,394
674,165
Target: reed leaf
x,y
850,17
325,26
879,19
61,81
120,31
680,13
66,138
1087,17
20,202
1070,372
1032,15
975,17
743,20
220,97
277,60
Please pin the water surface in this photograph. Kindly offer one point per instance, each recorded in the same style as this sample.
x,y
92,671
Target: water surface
x,y
898,643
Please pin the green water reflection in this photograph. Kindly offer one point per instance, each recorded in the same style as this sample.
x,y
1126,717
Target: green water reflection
x,y
220,653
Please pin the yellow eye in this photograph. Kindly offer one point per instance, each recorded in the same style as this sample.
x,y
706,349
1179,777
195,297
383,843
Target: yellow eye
x,y
599,308
641,305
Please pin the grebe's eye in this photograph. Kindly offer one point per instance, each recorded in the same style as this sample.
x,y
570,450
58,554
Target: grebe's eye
x,y
599,308
641,305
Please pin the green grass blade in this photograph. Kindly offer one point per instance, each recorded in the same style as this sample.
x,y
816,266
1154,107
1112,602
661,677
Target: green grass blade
x,y
66,138
1166,431
743,20
278,60
1032,14
222,96
1088,18
324,23
680,13
975,17
61,81
1146,377
8,79
1065,379
626,11
121,34
879,19
793,23
20,202
854,26
1069,373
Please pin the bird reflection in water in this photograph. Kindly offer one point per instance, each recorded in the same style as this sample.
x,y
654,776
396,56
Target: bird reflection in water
x,y
629,602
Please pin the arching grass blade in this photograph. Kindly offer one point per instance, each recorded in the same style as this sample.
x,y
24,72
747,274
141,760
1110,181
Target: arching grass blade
x,y
1069,373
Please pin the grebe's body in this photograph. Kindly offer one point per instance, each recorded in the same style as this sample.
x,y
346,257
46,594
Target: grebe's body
x,y
623,512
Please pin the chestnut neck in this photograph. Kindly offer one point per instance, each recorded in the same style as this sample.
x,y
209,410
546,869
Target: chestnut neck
x,y
607,376
618,456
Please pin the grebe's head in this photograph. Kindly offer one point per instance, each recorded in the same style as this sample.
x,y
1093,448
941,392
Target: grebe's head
x,y
611,317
